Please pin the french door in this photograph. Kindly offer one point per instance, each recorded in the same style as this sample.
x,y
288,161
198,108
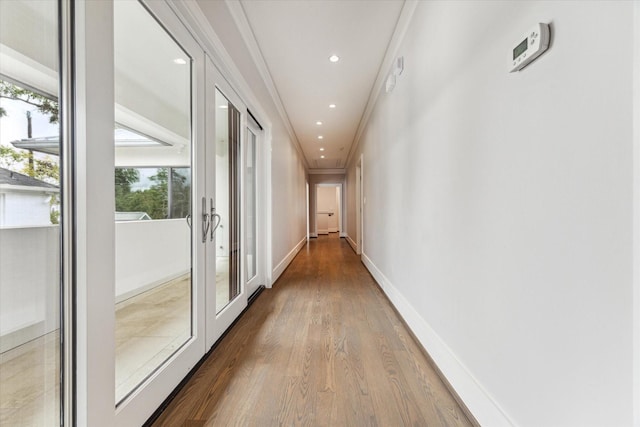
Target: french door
x,y
163,251
222,230
185,254
159,169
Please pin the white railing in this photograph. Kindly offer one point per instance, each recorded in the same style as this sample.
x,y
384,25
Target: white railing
x,y
148,253
29,283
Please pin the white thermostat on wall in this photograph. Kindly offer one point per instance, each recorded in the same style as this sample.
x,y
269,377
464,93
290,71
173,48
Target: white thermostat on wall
x,y
533,44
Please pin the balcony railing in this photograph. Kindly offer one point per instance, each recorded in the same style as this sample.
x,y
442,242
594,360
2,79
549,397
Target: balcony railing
x,y
148,254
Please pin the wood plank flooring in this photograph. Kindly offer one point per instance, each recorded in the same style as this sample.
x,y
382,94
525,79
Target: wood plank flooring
x,y
324,347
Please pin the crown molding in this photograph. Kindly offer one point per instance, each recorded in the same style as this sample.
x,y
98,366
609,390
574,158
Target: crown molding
x,y
244,27
406,14
194,19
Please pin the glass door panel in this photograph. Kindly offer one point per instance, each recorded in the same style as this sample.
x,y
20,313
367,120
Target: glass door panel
x,y
225,295
251,211
250,207
227,201
30,214
152,196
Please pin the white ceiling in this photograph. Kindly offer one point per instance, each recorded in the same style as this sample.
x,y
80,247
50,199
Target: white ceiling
x,y
147,80
296,39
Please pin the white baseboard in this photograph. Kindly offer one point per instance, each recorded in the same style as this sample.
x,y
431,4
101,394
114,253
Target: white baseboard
x,y
287,260
333,229
25,334
353,244
343,234
137,291
479,402
313,234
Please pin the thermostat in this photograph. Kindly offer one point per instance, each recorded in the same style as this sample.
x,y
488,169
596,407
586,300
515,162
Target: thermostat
x,y
533,44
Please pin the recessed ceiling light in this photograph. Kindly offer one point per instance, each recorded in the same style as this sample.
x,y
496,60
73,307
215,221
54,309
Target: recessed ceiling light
x,y
224,107
320,137
332,105
319,123
322,157
179,61
321,149
334,58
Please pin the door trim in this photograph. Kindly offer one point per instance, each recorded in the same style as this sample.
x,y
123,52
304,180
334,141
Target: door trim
x,y
636,215
258,279
341,208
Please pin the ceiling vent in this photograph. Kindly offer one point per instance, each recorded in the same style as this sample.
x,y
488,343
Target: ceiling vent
x,y
327,163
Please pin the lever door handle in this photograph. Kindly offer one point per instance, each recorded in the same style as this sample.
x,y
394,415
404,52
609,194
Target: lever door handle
x,y
206,223
217,221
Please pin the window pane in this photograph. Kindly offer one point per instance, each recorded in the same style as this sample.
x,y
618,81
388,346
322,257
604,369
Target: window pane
x,y
180,193
228,170
141,193
153,182
29,214
152,193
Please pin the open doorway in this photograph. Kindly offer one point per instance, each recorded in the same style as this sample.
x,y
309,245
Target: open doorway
x,y
328,209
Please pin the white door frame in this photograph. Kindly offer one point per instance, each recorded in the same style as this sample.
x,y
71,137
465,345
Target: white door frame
x,y
259,278
94,318
308,208
341,207
95,229
636,215
359,207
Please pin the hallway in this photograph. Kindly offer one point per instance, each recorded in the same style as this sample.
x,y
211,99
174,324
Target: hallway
x,y
323,347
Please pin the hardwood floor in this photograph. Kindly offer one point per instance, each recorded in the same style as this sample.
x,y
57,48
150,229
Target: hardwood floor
x,y
324,347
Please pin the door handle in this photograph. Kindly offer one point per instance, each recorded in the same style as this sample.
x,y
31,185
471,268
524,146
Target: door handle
x,y
206,223
218,220
188,218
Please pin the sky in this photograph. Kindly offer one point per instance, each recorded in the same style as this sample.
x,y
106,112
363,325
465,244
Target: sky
x,y
13,126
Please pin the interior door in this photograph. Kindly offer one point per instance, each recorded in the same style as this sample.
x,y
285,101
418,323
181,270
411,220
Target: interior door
x,y
225,291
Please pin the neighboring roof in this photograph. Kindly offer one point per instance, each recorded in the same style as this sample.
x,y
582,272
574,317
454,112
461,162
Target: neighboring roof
x,y
8,177
47,145
123,137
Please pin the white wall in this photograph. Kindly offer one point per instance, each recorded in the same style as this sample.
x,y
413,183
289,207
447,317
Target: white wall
x,y
24,209
288,217
149,253
498,211
29,283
